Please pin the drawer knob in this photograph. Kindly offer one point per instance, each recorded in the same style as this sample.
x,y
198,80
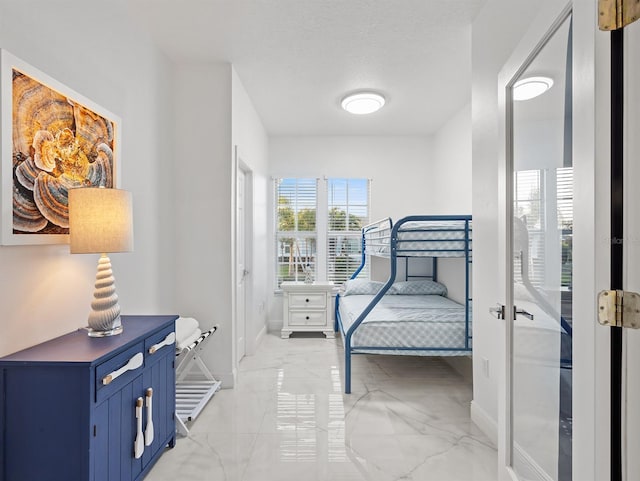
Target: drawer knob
x,y
307,318
307,300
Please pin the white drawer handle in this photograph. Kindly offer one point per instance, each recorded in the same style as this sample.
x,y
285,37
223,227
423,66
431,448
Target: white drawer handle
x,y
138,444
134,363
148,432
167,341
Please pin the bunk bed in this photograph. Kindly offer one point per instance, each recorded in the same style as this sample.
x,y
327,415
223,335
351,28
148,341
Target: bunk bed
x,y
376,318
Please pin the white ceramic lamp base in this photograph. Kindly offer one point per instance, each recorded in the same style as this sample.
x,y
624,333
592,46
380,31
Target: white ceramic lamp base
x,y
104,318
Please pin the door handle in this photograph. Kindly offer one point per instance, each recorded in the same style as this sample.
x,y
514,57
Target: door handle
x,y
138,444
522,312
134,363
167,341
148,432
497,311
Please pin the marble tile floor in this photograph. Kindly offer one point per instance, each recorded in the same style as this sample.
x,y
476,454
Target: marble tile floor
x,y
288,419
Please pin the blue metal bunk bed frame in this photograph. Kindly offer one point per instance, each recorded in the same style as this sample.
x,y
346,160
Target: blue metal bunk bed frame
x,y
381,239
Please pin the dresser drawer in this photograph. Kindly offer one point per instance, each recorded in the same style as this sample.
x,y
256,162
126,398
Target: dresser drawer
x,y
111,375
159,344
311,300
307,318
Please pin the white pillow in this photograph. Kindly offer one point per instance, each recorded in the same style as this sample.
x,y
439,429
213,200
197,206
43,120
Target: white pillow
x,y
362,287
418,288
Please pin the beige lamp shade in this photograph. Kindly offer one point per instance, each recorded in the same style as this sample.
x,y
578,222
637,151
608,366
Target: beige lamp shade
x,y
100,220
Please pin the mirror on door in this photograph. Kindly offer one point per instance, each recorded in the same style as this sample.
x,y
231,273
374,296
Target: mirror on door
x,y
542,237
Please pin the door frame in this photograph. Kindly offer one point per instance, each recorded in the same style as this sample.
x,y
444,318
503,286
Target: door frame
x,y
591,208
240,165
631,337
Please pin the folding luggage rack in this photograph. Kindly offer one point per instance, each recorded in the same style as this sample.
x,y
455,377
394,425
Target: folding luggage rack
x,y
195,385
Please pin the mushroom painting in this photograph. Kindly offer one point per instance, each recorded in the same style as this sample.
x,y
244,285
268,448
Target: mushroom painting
x,y
58,144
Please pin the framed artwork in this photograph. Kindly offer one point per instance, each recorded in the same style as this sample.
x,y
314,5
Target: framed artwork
x,y
52,139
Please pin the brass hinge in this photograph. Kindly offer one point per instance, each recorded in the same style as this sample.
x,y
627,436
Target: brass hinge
x,y
619,308
615,14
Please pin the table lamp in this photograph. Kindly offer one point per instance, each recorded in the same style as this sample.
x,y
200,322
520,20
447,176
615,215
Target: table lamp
x,y
100,222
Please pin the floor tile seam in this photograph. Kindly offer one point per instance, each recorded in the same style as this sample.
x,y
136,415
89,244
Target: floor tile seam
x,y
250,454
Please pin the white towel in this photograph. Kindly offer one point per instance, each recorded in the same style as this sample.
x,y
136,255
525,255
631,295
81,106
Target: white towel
x,y
187,331
188,340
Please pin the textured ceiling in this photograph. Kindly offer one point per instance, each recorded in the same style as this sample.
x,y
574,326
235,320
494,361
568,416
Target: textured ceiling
x,y
298,58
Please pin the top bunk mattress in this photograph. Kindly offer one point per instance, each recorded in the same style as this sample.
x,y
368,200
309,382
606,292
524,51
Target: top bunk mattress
x,y
432,323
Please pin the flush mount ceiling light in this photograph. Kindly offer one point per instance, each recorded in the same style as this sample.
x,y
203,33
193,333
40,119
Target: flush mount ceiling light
x,y
363,103
530,87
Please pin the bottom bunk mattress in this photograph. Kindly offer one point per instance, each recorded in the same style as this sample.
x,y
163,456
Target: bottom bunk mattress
x,y
426,325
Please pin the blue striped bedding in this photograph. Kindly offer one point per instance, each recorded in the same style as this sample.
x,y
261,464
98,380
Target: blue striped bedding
x,y
429,322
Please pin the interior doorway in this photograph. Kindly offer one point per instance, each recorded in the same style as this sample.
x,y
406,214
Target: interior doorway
x,y
243,254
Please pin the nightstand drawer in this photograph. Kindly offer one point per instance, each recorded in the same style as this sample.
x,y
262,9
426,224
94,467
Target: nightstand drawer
x,y
307,318
310,300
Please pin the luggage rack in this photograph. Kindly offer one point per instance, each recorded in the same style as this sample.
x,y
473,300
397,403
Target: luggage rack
x,y
195,385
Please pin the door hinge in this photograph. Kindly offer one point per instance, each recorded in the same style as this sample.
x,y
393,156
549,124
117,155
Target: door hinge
x,y
619,308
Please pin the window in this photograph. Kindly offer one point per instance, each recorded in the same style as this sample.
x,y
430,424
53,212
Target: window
x,y
296,239
332,254
348,213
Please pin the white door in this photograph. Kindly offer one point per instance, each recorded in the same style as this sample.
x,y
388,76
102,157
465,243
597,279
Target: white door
x,y
521,454
538,252
241,265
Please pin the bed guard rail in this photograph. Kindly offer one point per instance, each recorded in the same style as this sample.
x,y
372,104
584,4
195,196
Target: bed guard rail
x,y
375,238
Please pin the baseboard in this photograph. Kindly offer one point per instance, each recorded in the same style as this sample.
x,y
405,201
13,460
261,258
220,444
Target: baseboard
x,y
227,379
252,347
275,325
484,422
260,336
528,468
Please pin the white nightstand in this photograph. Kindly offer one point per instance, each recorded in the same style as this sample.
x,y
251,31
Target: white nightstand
x,y
307,308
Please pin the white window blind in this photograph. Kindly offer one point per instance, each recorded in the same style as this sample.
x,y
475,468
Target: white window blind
x,y
296,236
347,212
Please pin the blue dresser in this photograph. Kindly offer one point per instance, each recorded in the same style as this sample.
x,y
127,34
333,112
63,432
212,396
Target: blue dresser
x,y
78,408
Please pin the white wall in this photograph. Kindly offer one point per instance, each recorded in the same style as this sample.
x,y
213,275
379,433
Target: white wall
x,y
452,188
400,167
251,139
452,166
46,291
495,32
202,196
213,114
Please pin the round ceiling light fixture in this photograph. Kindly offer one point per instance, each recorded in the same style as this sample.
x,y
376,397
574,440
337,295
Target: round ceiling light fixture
x,y
530,87
362,103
